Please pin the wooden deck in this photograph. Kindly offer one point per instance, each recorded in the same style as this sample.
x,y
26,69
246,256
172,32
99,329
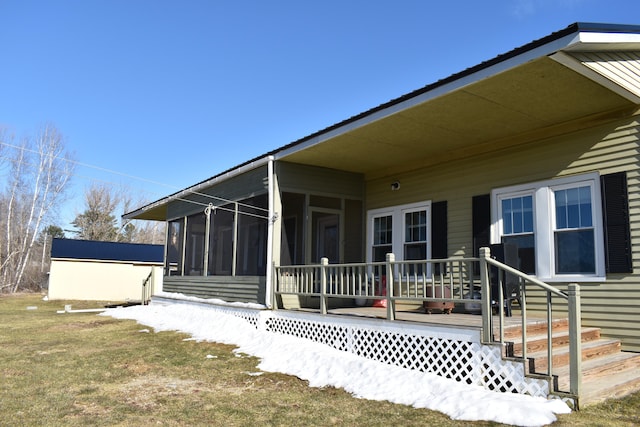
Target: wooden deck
x,y
460,320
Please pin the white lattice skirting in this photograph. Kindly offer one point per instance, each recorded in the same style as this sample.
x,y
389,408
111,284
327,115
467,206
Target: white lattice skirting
x,y
454,353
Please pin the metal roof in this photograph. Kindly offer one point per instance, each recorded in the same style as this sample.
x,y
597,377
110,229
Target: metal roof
x,y
106,251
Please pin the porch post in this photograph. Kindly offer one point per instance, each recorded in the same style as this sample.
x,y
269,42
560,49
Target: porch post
x,y
575,340
273,234
324,262
391,309
485,286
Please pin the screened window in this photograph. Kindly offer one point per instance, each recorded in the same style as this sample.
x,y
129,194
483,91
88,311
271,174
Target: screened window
x,y
221,241
174,248
194,260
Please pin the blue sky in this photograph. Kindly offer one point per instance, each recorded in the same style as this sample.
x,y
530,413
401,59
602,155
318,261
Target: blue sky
x,y
174,92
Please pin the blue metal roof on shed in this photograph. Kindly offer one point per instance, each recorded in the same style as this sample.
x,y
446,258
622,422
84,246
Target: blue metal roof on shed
x,y
106,251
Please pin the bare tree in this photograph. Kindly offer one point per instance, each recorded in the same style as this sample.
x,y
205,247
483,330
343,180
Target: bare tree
x,y
99,221
39,171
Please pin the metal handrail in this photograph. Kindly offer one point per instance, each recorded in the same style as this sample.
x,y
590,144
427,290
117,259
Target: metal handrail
x,y
572,296
147,292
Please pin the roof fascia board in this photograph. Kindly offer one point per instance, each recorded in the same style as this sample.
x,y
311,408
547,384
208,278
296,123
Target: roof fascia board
x,y
604,40
509,63
202,185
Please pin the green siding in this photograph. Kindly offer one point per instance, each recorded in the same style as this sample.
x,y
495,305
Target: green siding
x,y
227,288
320,181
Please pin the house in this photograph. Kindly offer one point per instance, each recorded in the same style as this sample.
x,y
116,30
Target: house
x,y
536,149
103,271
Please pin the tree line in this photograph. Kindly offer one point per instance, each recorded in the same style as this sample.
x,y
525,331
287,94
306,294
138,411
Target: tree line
x,y
38,171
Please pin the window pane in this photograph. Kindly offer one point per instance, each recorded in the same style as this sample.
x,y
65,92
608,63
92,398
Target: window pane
x,y
507,224
575,252
527,214
585,207
382,230
517,215
561,209
415,226
526,251
380,253
415,251
573,208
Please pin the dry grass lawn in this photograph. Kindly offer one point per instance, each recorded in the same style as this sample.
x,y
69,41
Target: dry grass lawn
x,y
84,369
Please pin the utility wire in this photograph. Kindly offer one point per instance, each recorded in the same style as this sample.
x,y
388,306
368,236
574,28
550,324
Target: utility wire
x,y
126,175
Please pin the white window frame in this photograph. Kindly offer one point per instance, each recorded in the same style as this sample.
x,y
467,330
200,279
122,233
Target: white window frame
x,y
398,227
544,223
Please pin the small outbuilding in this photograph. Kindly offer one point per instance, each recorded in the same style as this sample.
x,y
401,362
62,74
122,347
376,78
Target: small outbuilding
x,y
104,271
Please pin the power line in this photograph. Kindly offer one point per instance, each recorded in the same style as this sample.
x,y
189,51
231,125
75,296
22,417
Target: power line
x,y
126,175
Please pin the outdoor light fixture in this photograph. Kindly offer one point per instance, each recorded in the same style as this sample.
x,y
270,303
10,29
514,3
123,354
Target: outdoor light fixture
x,y
395,186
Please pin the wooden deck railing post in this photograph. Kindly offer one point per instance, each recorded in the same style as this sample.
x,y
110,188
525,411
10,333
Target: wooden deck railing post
x,y
324,262
575,340
485,286
391,310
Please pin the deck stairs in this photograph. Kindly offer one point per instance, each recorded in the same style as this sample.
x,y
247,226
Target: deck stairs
x,y
607,371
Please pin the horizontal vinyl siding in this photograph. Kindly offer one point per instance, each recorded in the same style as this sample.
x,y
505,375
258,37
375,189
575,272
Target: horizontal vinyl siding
x,y
227,288
614,305
320,181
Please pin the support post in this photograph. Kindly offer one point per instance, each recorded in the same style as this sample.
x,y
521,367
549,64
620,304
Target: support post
x,y
275,286
485,286
575,340
391,309
324,262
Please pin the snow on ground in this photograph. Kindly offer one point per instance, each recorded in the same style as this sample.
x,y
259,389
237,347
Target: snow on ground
x,y
323,366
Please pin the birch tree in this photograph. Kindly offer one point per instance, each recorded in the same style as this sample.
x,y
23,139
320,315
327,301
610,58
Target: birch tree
x,y
38,173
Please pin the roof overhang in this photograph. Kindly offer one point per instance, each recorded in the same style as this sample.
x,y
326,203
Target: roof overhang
x,y
157,211
543,89
548,87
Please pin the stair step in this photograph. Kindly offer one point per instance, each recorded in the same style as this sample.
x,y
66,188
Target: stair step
x,y
536,327
537,343
590,350
607,372
603,378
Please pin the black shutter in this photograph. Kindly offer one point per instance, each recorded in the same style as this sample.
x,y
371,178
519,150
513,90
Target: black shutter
x,y
439,247
481,217
615,213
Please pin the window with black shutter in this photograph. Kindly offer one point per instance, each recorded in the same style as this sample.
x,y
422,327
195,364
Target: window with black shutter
x,y
617,233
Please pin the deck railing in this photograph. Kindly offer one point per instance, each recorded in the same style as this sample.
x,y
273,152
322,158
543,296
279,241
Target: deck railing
x,y
460,281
